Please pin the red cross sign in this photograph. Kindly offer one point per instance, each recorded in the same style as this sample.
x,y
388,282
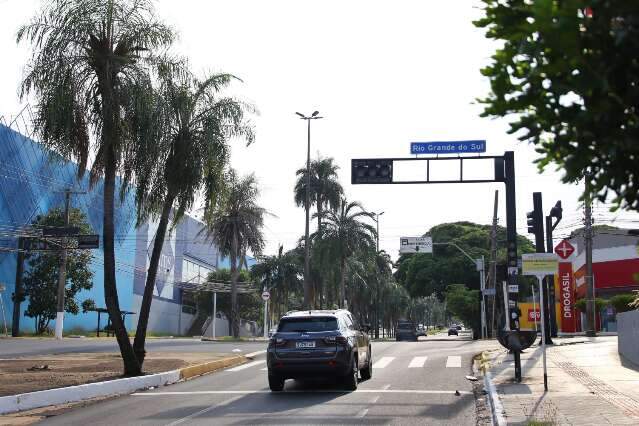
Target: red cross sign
x,y
564,249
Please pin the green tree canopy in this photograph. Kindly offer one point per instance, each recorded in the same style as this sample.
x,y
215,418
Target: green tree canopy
x,y
566,73
41,280
425,274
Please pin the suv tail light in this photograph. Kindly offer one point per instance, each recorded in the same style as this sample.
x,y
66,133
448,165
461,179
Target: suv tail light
x,y
277,341
340,340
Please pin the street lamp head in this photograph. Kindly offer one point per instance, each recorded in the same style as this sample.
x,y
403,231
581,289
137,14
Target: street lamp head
x,y
379,214
315,113
300,114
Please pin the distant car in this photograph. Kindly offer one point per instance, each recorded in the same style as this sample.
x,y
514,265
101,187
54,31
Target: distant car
x,y
421,331
406,331
272,331
459,327
453,331
319,343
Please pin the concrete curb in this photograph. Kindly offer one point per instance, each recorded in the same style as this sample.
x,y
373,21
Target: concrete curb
x,y
31,400
496,408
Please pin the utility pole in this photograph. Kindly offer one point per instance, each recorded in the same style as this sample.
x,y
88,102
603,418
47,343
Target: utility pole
x,y
18,295
62,272
377,215
590,291
493,261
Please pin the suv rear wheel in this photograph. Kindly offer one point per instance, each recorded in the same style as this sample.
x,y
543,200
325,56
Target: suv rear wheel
x,y
350,380
276,383
367,372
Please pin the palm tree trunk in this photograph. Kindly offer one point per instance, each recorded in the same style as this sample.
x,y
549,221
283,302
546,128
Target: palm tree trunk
x,y
131,364
342,283
235,323
147,298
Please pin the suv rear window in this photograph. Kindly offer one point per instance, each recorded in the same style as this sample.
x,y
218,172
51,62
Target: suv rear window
x,y
406,325
309,324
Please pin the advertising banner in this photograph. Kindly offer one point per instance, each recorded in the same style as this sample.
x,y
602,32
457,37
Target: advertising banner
x,y
566,284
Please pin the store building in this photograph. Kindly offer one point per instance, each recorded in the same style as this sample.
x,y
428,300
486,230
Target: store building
x,y
31,182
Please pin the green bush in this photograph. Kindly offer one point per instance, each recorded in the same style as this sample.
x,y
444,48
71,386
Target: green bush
x,y
599,304
621,302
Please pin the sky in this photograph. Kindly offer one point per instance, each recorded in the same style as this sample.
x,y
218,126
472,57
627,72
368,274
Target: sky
x,y
383,74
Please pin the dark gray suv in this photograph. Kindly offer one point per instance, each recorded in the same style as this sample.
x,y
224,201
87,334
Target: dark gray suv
x,y
319,343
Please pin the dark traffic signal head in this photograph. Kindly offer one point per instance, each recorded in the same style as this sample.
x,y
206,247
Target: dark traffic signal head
x,y
371,171
531,221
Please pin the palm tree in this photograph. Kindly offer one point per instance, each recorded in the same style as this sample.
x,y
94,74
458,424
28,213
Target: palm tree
x,y
281,273
325,192
89,77
345,234
188,155
235,226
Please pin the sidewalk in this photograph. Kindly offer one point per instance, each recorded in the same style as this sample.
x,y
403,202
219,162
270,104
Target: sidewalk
x,y
588,384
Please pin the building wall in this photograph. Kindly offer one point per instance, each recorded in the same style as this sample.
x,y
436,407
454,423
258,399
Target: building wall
x,y
31,181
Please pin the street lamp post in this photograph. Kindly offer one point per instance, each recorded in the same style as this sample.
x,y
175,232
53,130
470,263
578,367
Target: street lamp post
x,y
307,280
377,215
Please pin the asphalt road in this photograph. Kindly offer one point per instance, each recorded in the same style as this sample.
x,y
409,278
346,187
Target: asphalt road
x,y
12,348
412,383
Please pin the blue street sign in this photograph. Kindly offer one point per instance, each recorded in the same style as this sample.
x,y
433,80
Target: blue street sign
x,y
452,147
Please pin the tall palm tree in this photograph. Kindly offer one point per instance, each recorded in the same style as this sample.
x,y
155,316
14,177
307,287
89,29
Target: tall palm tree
x,y
235,226
346,233
325,193
89,77
280,272
187,157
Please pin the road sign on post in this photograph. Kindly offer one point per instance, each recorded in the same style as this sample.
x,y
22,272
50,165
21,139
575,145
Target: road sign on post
x,y
90,241
416,245
266,295
540,265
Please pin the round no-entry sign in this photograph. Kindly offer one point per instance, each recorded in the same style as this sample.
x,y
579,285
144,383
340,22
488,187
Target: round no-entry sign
x,y
266,295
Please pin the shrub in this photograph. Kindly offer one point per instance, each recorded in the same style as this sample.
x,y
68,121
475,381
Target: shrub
x,y
622,302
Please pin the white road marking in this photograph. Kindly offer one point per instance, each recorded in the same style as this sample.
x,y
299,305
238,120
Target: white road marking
x,y
206,410
254,354
264,369
386,387
250,392
418,362
249,365
361,413
374,400
453,361
383,362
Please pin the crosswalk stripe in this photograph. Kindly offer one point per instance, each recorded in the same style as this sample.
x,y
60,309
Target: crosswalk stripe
x,y
383,362
453,361
249,365
418,362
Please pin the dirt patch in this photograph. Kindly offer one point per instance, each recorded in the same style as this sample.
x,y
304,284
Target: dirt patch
x,y
54,371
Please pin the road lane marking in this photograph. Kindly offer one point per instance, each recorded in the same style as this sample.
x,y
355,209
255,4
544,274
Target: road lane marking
x,y
249,365
383,362
386,387
264,369
204,411
254,354
418,362
453,361
250,392
361,413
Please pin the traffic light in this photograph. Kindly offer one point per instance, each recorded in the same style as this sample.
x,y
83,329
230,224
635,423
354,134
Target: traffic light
x,y
371,171
533,221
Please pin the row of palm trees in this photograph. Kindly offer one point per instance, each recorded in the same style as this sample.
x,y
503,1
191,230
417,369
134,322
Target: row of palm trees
x,y
347,271
109,96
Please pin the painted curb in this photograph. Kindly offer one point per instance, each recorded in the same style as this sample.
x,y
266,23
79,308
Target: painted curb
x,y
496,409
31,400
208,367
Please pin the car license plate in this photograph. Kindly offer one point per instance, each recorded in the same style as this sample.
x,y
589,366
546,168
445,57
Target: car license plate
x,y
305,344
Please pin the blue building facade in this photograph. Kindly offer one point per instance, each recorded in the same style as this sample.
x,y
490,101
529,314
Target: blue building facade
x,y
32,180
